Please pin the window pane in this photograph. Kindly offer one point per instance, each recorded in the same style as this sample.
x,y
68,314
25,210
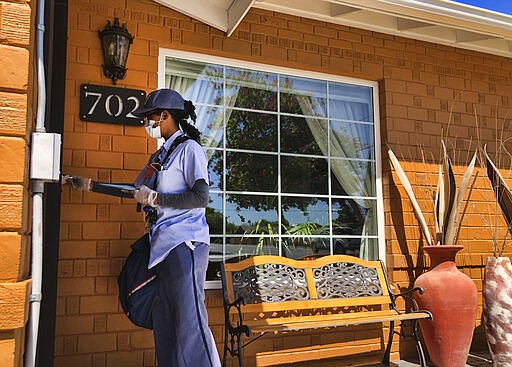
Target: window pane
x,y
350,102
215,168
352,246
304,175
299,248
352,140
242,247
305,216
251,215
303,96
303,220
196,81
251,89
210,122
354,217
214,216
251,172
297,135
251,130
352,178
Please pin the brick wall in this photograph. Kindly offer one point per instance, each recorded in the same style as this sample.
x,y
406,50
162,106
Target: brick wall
x,y
423,87
15,101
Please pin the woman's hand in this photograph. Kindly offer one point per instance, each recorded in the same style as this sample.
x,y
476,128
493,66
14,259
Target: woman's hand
x,y
77,182
146,196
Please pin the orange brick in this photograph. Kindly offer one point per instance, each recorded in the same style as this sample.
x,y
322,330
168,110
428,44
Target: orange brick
x,y
80,141
73,212
128,359
13,109
104,159
14,66
98,304
12,151
69,325
11,253
75,286
102,230
96,343
129,144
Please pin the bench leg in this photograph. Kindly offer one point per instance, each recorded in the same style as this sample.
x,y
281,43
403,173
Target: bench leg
x,y
229,346
385,360
240,353
419,348
225,347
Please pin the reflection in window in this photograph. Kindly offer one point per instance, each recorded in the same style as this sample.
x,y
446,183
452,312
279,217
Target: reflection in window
x,y
215,168
251,130
296,136
251,172
214,213
251,89
292,161
304,175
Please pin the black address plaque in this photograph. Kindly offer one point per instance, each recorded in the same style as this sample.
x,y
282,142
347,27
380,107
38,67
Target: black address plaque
x,y
109,104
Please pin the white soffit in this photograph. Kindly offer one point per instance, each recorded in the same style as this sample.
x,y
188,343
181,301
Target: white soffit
x,y
438,21
221,14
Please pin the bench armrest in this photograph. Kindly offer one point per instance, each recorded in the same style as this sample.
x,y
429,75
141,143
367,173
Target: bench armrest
x,y
407,295
239,328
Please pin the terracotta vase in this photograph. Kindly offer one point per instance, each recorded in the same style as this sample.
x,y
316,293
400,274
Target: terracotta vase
x,y
451,297
497,309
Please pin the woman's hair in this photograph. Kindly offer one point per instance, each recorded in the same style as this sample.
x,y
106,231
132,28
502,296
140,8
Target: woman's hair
x,y
181,116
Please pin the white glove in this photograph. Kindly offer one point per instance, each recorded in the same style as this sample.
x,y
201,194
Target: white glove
x,y
146,196
77,182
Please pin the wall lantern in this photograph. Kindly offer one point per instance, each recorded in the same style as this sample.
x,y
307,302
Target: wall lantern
x,y
115,41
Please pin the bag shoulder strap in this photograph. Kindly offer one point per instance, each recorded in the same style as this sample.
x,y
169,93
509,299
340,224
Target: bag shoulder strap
x,y
180,139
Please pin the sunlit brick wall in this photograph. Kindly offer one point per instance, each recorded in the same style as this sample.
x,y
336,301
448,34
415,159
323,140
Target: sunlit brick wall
x,y
423,87
15,111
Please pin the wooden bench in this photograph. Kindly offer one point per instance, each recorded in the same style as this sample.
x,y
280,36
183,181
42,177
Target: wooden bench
x,y
275,294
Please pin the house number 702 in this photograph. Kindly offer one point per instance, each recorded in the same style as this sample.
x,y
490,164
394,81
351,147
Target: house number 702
x,y
107,104
111,105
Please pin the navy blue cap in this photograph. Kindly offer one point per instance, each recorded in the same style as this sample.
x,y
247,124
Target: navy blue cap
x,y
161,99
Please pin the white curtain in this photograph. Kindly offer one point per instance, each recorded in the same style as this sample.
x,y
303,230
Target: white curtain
x,y
199,84
347,171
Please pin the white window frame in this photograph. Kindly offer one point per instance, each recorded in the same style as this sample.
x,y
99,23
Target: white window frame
x,y
165,53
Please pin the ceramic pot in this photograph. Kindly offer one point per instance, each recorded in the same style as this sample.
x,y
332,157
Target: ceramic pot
x,y
451,297
497,309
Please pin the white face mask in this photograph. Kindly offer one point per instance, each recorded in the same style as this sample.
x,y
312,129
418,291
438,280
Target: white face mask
x,y
154,132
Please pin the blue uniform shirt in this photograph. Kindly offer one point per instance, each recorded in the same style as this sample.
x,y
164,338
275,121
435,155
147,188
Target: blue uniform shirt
x,y
186,164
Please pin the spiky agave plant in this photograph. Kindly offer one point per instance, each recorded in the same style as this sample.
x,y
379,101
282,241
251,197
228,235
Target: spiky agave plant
x,y
448,200
503,197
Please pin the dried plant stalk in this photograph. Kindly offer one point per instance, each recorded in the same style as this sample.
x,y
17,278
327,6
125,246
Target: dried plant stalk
x,y
410,193
448,201
503,196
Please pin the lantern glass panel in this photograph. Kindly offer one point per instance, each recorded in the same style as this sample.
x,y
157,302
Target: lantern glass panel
x,y
115,49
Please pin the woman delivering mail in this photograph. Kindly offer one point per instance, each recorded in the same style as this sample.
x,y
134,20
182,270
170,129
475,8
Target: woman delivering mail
x,y
179,233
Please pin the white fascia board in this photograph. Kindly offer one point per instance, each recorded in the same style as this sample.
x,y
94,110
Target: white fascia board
x,y
203,10
236,13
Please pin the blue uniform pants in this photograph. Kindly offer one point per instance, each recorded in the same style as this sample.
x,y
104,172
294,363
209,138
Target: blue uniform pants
x,y
180,322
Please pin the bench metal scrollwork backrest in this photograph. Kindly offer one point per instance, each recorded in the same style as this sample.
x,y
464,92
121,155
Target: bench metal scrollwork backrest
x,y
346,280
270,283
273,282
